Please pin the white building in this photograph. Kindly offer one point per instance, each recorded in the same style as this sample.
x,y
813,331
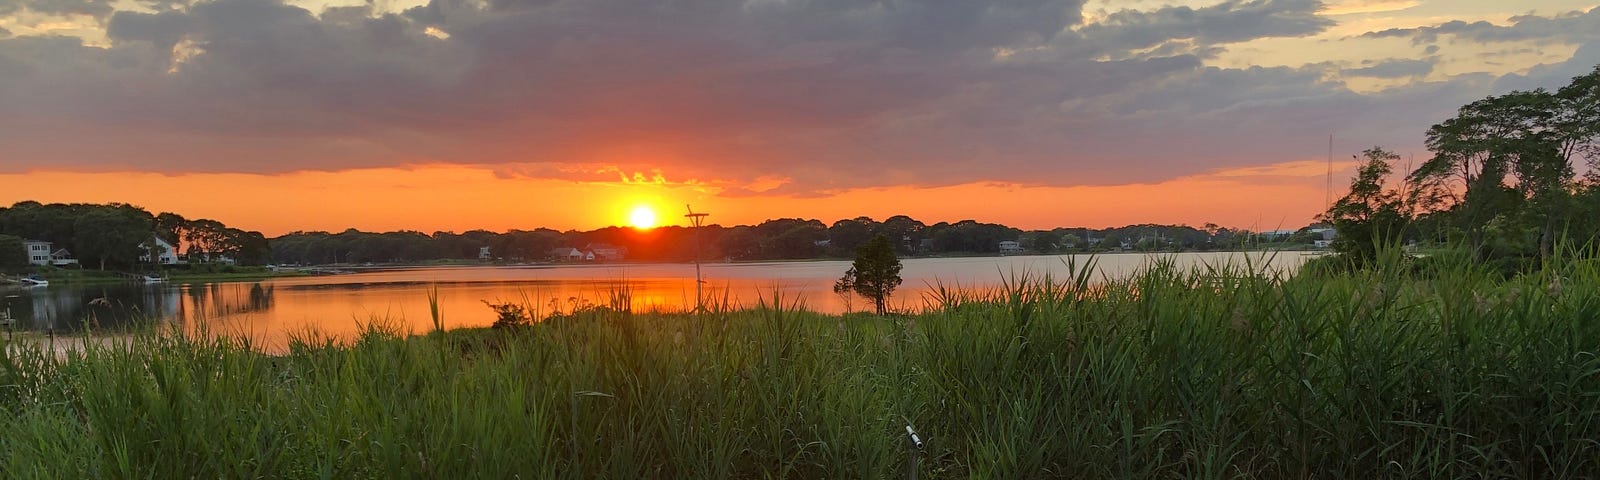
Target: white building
x,y
166,254
604,252
483,253
1323,237
1009,247
566,254
61,258
38,252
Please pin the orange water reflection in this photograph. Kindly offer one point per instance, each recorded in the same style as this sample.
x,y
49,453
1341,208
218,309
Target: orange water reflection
x,y
269,312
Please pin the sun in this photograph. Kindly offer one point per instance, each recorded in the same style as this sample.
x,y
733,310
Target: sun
x,y
642,217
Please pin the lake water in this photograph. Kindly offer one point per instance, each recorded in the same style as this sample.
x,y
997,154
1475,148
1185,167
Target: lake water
x,y
335,305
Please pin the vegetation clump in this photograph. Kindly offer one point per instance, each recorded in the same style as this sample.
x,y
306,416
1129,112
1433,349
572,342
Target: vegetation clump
x,y
1215,372
874,274
1502,184
508,315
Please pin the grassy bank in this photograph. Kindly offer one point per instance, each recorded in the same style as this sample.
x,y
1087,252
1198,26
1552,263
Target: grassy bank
x,y
232,277
1451,372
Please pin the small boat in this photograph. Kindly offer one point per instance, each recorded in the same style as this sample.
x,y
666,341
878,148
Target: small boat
x,y
34,281
149,279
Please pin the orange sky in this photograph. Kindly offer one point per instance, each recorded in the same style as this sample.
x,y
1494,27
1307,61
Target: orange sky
x,y
459,198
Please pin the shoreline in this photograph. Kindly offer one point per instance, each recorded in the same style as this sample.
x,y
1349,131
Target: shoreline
x,y
358,268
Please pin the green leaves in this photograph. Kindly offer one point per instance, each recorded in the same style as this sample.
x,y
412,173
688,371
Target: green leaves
x,y
1371,216
875,273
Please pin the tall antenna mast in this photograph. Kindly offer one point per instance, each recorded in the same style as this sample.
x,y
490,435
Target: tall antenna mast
x,y
1328,197
696,219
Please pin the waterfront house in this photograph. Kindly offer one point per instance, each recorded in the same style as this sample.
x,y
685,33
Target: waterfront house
x,y
1322,237
605,252
1010,247
62,257
38,252
164,253
566,254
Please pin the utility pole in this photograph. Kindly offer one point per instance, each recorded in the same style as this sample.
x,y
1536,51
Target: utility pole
x,y
696,219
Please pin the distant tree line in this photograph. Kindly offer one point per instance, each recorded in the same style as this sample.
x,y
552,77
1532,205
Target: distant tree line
x,y
778,239
117,235
1502,183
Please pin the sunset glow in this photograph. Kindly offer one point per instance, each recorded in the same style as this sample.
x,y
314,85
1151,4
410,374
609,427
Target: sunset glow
x,y
642,217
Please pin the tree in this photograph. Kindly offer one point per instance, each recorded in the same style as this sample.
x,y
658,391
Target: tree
x,y
171,228
1370,216
1509,161
13,254
207,239
875,273
113,234
847,235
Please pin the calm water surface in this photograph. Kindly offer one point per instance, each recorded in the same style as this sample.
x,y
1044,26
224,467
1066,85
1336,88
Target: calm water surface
x,y
335,305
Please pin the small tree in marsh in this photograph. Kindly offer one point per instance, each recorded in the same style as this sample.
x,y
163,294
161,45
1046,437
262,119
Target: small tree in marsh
x,y
875,273
1371,216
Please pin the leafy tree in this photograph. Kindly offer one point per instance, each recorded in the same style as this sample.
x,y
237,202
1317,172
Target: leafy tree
x,y
171,227
1040,241
34,221
1370,216
1577,121
13,254
847,235
904,232
248,247
875,273
113,234
206,238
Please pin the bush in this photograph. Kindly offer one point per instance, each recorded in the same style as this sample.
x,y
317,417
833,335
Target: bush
x,y
509,315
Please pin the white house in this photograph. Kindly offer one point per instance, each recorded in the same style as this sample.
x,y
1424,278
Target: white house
x,y
605,252
165,253
566,254
1323,237
483,253
38,252
62,257
1276,234
1010,247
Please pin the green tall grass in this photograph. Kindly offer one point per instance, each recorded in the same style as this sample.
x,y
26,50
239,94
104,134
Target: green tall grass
x,y
1221,371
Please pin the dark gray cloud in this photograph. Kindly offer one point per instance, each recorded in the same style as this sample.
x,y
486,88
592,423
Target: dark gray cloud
x,y
1566,27
1395,68
832,94
1228,22
1554,76
96,8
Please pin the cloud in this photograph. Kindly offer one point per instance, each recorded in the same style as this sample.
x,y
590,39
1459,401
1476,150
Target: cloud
x,y
94,8
1228,22
828,95
1395,68
1567,27
1347,7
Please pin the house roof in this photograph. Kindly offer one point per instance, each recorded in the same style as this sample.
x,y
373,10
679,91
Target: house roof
x,y
159,242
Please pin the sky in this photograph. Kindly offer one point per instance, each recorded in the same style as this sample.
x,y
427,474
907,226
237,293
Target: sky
x,y
285,115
